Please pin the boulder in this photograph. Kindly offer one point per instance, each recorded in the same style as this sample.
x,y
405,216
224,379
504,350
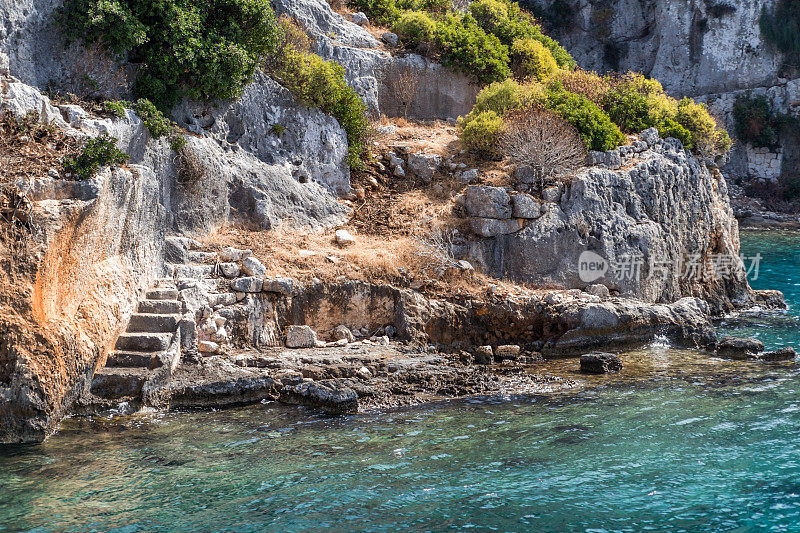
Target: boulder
x,y
249,284
233,255
359,18
468,176
599,290
650,136
491,227
390,38
230,270
600,363
253,267
301,337
487,202
551,194
484,355
739,347
344,238
332,396
208,347
508,351
525,206
285,286
343,333
424,166
784,354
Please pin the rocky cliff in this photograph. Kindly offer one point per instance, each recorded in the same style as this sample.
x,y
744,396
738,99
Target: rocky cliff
x,y
89,250
693,48
711,50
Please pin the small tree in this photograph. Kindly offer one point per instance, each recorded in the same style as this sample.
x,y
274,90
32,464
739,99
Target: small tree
x,y
544,141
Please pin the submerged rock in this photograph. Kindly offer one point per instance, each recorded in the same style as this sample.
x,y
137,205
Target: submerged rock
x,y
784,354
332,396
739,347
600,363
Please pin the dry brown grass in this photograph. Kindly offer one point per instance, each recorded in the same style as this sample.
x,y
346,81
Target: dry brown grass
x,y
396,261
29,149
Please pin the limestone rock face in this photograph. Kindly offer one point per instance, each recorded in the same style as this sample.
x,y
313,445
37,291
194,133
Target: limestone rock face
x,y
312,147
705,47
645,222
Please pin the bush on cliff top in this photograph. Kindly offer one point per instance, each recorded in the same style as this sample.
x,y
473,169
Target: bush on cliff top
x,y
602,108
476,41
593,125
205,49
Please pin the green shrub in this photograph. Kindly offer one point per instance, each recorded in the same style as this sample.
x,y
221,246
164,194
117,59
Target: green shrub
x,y
116,108
596,128
506,20
482,132
464,45
97,153
756,122
530,59
321,83
383,12
203,49
781,26
415,27
707,138
628,108
476,42
500,97
155,121
668,127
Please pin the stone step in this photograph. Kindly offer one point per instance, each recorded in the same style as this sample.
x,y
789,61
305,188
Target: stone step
x,y
193,271
150,323
162,294
203,257
164,283
131,359
112,383
144,342
160,307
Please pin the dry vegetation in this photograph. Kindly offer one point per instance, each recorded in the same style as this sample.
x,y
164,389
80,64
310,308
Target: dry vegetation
x,y
403,228
544,141
29,149
376,259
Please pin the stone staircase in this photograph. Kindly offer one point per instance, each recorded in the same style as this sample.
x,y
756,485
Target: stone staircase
x,y
147,353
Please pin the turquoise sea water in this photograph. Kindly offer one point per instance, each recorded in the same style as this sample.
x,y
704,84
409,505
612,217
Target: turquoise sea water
x,y
679,442
779,269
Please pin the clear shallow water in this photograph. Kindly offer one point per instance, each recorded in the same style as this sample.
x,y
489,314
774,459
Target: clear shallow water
x,y
678,442
779,269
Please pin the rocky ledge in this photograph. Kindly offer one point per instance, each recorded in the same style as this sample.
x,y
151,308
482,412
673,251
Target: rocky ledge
x,y
340,380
